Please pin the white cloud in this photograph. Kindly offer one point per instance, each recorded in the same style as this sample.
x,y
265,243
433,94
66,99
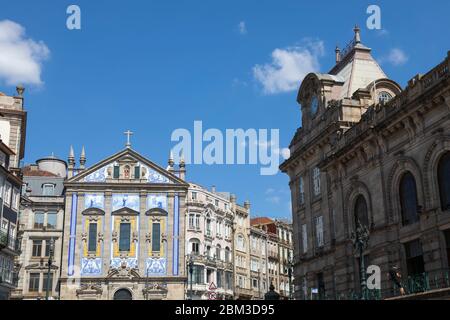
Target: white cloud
x,y
397,57
289,66
20,57
242,28
274,199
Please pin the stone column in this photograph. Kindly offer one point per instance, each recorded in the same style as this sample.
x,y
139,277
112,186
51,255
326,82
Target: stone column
x,y
169,231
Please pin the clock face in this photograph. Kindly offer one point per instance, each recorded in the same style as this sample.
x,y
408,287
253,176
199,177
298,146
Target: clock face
x,y
314,105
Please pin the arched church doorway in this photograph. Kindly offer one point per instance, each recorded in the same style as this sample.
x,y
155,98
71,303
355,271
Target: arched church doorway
x,y
123,294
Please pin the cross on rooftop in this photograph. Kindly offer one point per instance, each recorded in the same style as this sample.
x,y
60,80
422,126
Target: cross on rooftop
x,y
128,133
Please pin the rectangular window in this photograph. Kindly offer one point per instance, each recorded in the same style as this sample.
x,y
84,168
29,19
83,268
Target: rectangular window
x,y
125,234
137,172
447,241
414,258
8,191
116,172
48,189
195,248
50,282
217,203
301,192
198,275
191,221
194,195
33,285
37,248
219,278
47,247
305,238
38,220
316,181
92,242
156,237
51,220
319,231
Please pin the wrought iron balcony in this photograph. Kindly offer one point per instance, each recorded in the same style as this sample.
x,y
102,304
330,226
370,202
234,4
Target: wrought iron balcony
x,y
9,242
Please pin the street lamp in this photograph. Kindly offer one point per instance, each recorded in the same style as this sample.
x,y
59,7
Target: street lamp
x,y
191,271
290,267
50,262
360,241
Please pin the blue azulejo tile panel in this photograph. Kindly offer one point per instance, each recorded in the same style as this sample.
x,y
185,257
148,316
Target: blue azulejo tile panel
x,y
91,267
120,201
157,201
94,201
156,267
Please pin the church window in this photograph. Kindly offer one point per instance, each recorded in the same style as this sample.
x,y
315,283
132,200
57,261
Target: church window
x,y
316,181
384,97
92,242
444,181
125,234
116,172
137,172
408,199
156,237
360,213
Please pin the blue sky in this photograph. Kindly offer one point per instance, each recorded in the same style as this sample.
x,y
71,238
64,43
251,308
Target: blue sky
x,y
155,66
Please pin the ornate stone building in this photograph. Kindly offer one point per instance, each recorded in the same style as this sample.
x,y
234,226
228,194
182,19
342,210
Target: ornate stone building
x,y
124,230
12,145
209,243
41,228
369,152
276,240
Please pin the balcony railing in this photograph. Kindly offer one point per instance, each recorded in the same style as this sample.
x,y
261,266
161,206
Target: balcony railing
x,y
8,241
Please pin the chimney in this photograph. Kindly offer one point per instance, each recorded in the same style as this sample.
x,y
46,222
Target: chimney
x,y
338,54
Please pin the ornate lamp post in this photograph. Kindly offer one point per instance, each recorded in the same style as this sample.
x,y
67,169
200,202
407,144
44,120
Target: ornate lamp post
x,y
191,272
360,241
290,267
50,262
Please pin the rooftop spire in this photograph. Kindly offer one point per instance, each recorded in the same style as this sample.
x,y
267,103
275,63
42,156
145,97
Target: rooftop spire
x,y
82,158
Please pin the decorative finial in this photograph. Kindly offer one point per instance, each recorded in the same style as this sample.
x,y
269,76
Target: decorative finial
x,y
357,34
71,156
20,90
128,133
182,162
82,158
171,162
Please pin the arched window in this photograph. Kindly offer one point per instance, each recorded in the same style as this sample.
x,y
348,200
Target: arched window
x,y
218,252
361,214
408,199
227,254
194,246
123,294
384,97
444,181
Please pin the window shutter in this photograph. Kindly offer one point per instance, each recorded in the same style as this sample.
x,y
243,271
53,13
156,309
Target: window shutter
x,y
137,172
116,172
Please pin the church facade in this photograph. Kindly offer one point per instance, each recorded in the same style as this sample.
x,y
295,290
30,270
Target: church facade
x,y
124,230
370,155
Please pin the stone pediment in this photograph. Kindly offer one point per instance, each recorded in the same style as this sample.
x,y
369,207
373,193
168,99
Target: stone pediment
x,y
93,212
149,172
157,212
125,212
